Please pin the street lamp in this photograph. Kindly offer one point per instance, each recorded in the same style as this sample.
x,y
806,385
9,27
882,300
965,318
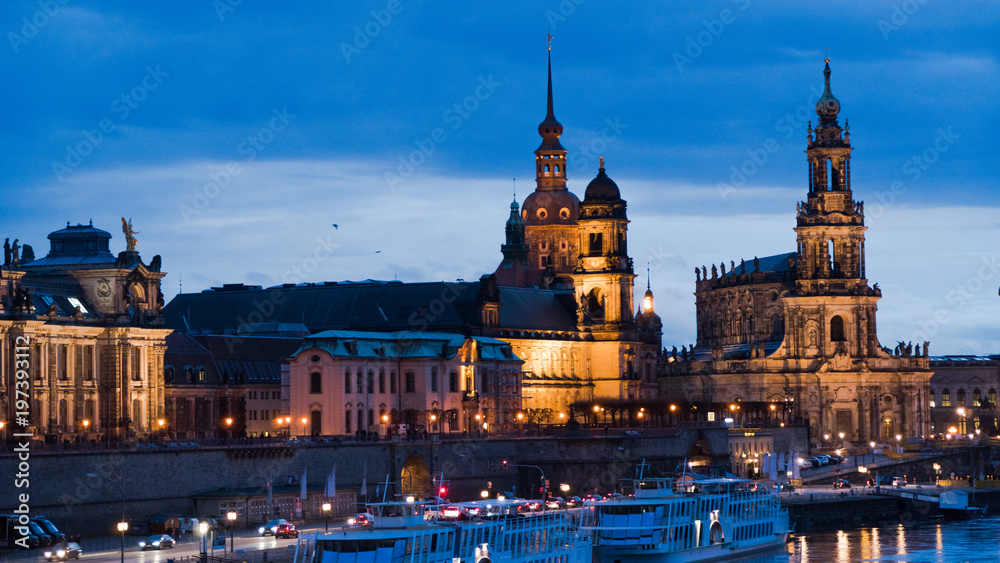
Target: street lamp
x,y
123,525
229,427
304,421
326,512
203,530
872,444
231,517
841,436
484,493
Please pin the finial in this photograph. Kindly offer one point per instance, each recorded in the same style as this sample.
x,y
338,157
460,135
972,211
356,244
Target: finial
x,y
67,224
647,274
827,58
550,42
602,162
514,180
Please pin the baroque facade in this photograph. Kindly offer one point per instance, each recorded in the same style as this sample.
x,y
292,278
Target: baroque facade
x,y
798,330
95,334
579,248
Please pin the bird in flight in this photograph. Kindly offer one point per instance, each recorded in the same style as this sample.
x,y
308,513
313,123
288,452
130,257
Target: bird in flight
x,y
334,225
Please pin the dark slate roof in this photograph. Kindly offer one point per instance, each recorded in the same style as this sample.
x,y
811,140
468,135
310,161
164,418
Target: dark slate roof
x,y
776,263
242,359
402,344
367,306
74,260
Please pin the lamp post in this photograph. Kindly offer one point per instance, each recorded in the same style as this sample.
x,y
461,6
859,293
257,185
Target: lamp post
x,y
229,427
122,525
326,512
304,422
872,444
231,517
203,530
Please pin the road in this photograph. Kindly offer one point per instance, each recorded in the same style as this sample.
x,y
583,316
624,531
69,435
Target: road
x,y
134,555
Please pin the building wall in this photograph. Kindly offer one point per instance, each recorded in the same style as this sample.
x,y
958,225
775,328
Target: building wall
x,y
969,383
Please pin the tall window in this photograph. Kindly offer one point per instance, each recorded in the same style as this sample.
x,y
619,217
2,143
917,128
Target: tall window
x,y
992,397
411,384
371,381
361,382
960,397
371,417
945,398
347,420
453,382
837,329
315,383
347,380
434,380
977,398
596,244
392,382
381,381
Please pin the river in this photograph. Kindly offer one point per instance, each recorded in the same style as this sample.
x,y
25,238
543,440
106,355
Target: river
x,y
937,542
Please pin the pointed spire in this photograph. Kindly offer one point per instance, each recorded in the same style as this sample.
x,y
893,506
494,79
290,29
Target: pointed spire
x,y
827,107
550,114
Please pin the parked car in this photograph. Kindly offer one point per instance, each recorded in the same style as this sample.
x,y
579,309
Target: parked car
x,y
360,520
450,513
555,503
44,539
898,482
63,552
49,528
271,525
820,460
806,464
157,541
841,484
286,531
574,502
788,488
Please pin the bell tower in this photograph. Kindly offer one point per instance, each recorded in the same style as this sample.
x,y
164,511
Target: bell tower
x,y
830,224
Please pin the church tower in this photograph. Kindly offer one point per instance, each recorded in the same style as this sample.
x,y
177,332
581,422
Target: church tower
x,y
830,264
551,211
604,276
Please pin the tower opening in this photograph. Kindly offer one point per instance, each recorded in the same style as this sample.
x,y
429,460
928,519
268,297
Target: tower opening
x,y
831,252
829,175
837,333
596,244
595,303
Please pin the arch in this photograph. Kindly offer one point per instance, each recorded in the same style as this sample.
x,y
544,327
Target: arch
x,y
700,453
63,414
837,332
316,422
888,427
715,534
415,477
595,303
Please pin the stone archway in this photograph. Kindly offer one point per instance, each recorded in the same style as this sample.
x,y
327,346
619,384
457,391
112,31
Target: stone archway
x,y
415,477
700,453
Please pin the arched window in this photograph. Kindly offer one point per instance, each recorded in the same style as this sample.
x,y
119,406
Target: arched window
x,y
63,414
347,421
453,382
168,374
347,380
371,381
371,417
381,381
361,382
392,382
977,398
960,398
316,422
837,329
361,419
888,428
315,383
945,398
992,395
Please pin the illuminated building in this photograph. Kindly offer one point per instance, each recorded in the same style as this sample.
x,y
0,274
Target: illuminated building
x,y
798,330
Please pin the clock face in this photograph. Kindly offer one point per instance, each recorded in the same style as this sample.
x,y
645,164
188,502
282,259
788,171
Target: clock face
x,y
103,289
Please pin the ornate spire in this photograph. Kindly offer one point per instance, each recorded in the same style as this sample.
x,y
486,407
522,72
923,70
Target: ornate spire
x,y
550,129
827,107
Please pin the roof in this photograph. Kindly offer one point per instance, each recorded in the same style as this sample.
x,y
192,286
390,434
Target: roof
x,y
402,344
244,359
445,307
776,263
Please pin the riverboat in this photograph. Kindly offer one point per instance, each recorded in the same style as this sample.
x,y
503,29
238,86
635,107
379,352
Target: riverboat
x,y
685,520
413,532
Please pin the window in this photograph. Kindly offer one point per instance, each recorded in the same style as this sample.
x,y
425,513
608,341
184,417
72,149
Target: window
x,y
347,420
361,382
960,397
315,383
411,385
945,398
392,382
371,417
434,380
137,366
371,381
977,398
347,380
381,381
837,329
992,397
596,244
453,382
201,374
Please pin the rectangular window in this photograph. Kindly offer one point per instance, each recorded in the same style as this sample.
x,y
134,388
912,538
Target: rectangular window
x,y
392,382
315,383
453,382
347,380
411,384
381,381
434,380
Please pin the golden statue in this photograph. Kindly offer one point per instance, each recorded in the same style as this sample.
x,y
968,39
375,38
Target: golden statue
x,y
129,235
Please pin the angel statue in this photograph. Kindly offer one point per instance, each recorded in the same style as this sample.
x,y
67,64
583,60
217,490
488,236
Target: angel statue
x,y
129,235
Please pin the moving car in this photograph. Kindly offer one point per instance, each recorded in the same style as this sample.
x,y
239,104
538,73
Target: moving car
x,y
841,484
63,552
157,541
450,513
286,531
555,503
574,502
898,482
272,525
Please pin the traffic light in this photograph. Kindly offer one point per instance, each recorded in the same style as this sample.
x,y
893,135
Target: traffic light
x,y
443,491
504,464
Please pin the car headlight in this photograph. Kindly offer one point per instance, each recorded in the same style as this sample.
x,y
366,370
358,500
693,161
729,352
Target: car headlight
x,y
156,543
260,530
61,554
142,544
48,554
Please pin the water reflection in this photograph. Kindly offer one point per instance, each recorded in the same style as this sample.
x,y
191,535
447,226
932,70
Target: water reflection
x,y
972,541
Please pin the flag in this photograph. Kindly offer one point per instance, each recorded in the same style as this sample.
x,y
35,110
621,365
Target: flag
x,y
302,491
331,483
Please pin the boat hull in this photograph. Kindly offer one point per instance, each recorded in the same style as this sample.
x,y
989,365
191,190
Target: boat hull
x,y
656,554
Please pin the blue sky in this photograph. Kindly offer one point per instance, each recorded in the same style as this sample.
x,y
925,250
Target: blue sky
x,y
235,136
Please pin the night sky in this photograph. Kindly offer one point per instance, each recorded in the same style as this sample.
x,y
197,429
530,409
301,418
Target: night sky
x,y
236,136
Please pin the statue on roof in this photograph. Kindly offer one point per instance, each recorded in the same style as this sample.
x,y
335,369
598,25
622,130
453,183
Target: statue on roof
x,y
756,264
6,252
743,266
14,255
129,235
697,274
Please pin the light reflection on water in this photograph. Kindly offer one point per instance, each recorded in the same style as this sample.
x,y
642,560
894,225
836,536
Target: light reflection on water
x,y
973,541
